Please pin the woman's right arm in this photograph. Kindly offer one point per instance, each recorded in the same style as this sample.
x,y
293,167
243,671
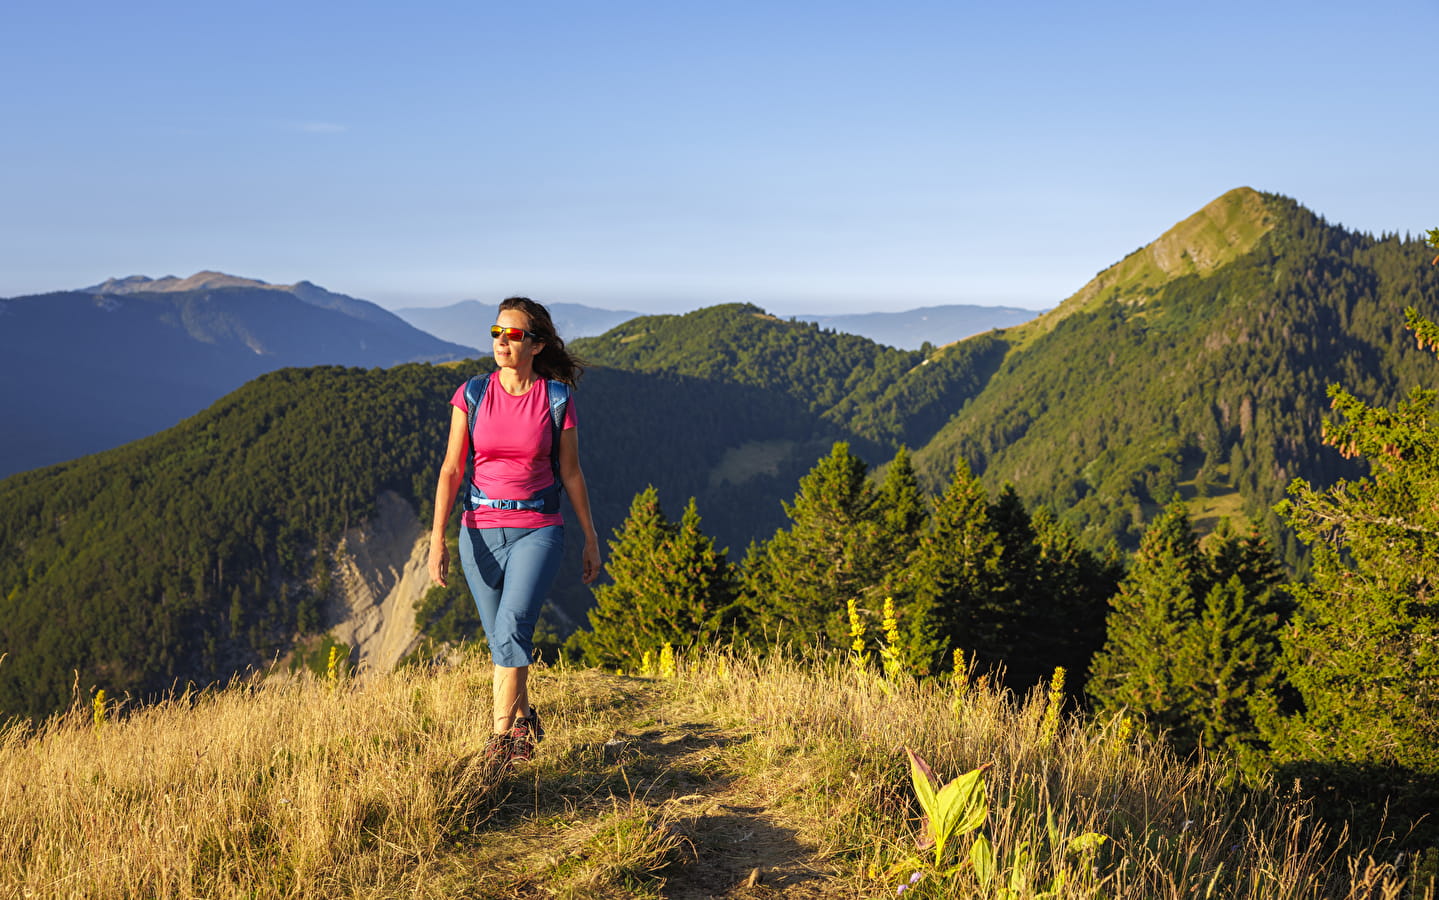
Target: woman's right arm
x,y
452,473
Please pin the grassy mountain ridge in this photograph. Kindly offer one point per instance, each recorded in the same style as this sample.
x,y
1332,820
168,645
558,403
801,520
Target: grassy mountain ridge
x,y
1224,230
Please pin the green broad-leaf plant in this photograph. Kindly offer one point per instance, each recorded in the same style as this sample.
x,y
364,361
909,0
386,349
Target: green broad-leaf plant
x,y
959,808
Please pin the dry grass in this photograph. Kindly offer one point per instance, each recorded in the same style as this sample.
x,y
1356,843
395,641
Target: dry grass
x,y
737,778
288,789
834,737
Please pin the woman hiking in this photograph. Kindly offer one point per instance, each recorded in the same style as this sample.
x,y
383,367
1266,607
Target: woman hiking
x,y
512,454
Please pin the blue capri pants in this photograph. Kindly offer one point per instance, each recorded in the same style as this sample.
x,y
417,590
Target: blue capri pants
x,y
509,570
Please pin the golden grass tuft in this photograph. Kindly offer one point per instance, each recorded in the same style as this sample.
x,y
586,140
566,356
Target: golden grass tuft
x,y
289,788
1175,827
326,787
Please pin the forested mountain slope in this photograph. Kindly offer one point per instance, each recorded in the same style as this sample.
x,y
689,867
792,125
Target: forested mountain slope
x,y
206,548
1200,360
889,396
1205,354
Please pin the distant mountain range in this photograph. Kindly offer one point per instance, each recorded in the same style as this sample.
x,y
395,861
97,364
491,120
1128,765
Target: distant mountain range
x,y
83,371
934,325
909,329
468,320
208,281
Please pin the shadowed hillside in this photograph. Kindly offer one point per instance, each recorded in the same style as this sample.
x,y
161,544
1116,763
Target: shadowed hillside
x,y
84,371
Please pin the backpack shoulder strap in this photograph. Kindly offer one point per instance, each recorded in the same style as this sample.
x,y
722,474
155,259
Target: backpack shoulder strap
x,y
548,499
559,395
559,401
474,394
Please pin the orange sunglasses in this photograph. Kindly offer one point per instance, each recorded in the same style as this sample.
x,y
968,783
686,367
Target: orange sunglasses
x,y
513,334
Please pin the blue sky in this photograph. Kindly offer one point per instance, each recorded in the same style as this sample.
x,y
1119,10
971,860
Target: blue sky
x,y
808,157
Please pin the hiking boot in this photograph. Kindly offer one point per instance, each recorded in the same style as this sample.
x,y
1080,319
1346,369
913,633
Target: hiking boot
x,y
499,750
537,731
522,739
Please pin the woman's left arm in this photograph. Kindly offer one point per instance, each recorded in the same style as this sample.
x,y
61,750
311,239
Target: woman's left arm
x,y
573,478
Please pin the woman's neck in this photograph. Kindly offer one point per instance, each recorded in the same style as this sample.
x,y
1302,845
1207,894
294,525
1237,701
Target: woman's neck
x,y
517,382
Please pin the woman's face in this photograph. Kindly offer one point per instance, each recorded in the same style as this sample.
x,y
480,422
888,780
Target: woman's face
x,y
515,354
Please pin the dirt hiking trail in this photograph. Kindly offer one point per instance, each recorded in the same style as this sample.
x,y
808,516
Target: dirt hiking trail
x,y
678,780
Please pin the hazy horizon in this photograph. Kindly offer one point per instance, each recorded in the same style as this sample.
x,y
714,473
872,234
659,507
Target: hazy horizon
x,y
671,304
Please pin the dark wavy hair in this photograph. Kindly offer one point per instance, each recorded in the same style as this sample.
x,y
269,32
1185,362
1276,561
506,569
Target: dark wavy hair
x,y
554,361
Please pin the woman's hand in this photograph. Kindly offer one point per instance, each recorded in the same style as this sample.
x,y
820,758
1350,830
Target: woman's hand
x,y
439,562
591,566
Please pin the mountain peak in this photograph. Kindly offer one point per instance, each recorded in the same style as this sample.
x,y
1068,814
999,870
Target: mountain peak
x,y
1223,230
209,279
206,280
1226,228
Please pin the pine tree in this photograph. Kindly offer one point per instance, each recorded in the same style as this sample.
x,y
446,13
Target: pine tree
x,y
900,513
1063,620
1148,661
953,579
901,503
797,585
1020,626
1250,557
1237,640
1362,652
668,585
1193,635
1234,642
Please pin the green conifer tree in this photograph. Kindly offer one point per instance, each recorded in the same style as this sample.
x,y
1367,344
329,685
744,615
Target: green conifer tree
x,y
1249,556
1234,643
953,579
1237,640
668,585
798,584
1193,635
902,512
1148,661
1062,621
1362,651
1022,627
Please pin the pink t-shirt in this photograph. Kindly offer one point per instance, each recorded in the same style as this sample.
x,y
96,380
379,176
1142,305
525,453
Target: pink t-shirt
x,y
512,452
